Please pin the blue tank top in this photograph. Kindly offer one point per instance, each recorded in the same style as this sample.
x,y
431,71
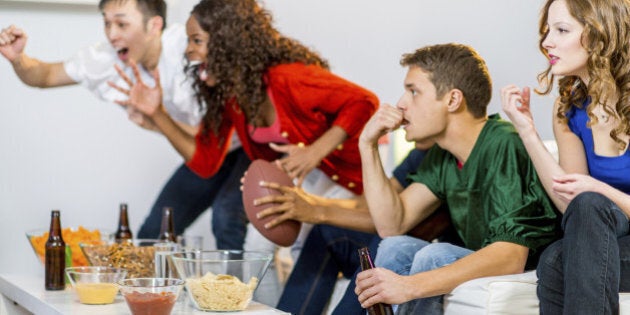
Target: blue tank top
x,y
615,171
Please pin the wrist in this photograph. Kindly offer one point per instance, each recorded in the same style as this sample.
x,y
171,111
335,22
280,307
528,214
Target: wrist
x,y
17,61
367,144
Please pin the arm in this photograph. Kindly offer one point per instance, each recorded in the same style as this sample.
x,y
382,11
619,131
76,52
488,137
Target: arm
x,y
296,204
570,185
380,285
148,101
392,213
572,156
31,71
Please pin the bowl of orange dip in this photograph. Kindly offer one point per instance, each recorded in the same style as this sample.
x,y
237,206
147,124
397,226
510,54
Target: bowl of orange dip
x,y
95,284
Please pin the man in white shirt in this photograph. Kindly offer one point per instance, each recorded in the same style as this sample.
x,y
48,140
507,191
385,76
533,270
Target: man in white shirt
x,y
136,32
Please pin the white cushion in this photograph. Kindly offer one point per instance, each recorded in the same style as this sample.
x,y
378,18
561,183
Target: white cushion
x,y
511,294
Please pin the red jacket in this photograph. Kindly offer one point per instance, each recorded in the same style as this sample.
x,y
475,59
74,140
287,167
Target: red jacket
x,y
308,100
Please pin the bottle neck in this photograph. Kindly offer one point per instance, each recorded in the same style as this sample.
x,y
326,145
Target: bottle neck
x,y
55,227
167,230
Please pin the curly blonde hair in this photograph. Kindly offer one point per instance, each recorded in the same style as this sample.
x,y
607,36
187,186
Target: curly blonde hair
x,y
243,44
606,38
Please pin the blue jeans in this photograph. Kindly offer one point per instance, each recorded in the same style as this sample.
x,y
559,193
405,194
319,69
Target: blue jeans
x,y
406,255
327,251
584,272
190,195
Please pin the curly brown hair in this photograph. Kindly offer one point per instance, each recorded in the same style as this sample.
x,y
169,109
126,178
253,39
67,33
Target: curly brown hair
x,y
242,45
605,37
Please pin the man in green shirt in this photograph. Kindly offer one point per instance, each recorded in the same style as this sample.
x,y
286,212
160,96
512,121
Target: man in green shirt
x,y
479,168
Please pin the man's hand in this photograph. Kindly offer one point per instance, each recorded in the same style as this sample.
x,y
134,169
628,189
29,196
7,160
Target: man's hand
x,y
386,119
293,204
12,42
379,285
146,100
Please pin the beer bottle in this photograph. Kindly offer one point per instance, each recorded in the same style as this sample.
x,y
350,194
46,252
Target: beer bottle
x,y
366,263
123,232
55,260
167,231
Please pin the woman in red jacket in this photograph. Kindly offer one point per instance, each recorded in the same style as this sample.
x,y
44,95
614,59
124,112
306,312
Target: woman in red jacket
x,y
279,97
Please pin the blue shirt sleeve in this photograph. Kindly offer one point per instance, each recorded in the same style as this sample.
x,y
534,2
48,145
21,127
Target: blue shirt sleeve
x,y
409,165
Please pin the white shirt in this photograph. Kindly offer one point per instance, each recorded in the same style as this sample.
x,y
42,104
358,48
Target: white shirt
x,y
93,66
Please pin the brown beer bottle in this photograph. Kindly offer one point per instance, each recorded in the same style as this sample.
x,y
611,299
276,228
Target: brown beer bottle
x,y
123,232
55,260
167,231
366,263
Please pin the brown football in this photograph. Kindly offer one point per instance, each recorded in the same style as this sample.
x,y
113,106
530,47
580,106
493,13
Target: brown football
x,y
286,232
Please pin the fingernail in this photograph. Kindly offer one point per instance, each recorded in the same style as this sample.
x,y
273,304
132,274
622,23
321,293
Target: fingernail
x,y
267,226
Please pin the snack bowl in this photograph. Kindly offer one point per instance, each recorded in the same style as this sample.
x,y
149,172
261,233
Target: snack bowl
x,y
95,285
137,256
221,280
72,236
155,296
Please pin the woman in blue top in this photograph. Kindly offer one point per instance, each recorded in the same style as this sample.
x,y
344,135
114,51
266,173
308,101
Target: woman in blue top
x,y
587,45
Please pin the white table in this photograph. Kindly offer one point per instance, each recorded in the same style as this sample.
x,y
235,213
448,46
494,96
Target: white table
x,y
24,294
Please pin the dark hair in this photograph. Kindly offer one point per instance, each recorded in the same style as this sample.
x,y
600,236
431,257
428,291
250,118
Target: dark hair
x,y
148,8
455,66
606,39
242,45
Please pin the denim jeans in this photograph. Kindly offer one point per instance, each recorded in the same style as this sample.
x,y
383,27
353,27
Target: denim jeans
x,y
406,255
327,251
584,272
190,195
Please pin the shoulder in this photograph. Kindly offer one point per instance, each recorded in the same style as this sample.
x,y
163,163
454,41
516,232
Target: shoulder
x,y
174,40
500,137
295,70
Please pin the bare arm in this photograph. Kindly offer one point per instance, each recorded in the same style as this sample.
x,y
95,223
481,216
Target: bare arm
x,y
31,71
148,101
296,204
572,156
380,285
392,213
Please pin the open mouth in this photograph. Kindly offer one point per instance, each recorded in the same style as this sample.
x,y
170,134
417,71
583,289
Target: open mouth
x,y
199,68
123,54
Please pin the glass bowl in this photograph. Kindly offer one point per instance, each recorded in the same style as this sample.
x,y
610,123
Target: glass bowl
x,y
221,280
95,285
137,256
155,296
72,236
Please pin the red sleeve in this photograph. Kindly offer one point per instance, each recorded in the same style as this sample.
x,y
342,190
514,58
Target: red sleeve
x,y
317,90
210,150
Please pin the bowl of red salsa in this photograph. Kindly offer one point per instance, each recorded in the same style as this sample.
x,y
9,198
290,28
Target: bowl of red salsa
x,y
154,296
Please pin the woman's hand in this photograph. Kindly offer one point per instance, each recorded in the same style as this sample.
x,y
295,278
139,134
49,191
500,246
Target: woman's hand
x,y
515,104
299,160
568,186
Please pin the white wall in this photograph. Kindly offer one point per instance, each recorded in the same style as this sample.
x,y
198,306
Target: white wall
x,y
64,149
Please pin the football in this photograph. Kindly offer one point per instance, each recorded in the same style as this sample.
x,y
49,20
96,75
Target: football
x,y
286,232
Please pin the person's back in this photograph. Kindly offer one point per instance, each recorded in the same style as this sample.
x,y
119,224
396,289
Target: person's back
x,y
479,168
